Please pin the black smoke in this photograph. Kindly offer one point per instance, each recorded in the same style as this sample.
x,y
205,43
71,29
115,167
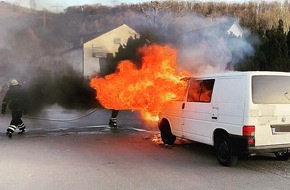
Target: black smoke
x,y
70,91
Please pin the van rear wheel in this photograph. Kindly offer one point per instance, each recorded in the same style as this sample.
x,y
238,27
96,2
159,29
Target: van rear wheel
x,y
166,134
224,151
283,155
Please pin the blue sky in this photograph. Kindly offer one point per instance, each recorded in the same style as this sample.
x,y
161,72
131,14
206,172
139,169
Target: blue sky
x,y
57,4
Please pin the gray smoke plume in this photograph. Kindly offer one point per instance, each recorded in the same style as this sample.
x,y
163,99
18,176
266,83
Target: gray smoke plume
x,y
213,48
204,44
27,52
16,43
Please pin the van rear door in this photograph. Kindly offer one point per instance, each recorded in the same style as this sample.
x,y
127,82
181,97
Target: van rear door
x,y
270,111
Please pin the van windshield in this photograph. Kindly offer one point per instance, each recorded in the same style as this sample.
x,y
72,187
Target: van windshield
x,y
271,89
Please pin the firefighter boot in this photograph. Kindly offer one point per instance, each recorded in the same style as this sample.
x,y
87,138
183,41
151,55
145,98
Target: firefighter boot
x,y
113,122
9,134
21,128
10,130
21,131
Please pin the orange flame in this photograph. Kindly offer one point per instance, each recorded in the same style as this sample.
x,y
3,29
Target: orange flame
x,y
146,89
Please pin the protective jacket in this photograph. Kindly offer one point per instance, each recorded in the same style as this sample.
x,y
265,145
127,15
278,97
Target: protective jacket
x,y
16,99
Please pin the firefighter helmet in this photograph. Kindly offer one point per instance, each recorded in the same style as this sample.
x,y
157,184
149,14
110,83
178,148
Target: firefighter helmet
x,y
13,82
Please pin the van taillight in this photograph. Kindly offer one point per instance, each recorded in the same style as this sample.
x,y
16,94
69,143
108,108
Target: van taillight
x,y
249,130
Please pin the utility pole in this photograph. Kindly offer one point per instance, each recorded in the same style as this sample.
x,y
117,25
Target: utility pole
x,y
44,21
32,5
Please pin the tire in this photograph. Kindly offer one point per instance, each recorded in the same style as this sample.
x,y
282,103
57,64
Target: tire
x,y
283,155
166,134
224,151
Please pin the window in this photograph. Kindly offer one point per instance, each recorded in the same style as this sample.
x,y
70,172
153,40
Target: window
x,y
271,89
98,51
200,90
194,91
206,90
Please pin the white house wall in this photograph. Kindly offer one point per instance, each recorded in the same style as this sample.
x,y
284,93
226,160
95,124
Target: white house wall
x,y
102,45
236,30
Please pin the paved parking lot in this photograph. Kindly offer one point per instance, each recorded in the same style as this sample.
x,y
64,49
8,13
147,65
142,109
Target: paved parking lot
x,y
86,153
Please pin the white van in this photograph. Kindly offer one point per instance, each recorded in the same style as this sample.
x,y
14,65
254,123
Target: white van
x,y
236,112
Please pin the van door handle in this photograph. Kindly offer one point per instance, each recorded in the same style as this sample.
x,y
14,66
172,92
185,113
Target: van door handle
x,y
215,112
183,105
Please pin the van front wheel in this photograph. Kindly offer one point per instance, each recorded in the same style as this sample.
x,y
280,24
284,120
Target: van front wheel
x,y
224,151
166,134
283,155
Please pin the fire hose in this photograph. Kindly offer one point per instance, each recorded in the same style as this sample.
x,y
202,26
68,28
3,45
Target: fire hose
x,y
59,120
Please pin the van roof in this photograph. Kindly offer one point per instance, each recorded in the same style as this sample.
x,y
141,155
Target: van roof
x,y
243,73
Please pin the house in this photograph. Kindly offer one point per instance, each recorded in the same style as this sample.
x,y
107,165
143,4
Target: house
x,y
214,29
91,54
233,28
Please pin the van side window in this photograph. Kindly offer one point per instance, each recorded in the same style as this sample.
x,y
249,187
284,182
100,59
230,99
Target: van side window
x,y
200,90
194,90
206,90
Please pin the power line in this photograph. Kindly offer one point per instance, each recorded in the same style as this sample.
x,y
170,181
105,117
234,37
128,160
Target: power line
x,y
57,7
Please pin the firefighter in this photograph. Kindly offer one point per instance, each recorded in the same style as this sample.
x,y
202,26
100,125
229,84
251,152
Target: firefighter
x,y
113,119
16,99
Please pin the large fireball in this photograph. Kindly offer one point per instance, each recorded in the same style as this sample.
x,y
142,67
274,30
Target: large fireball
x,y
146,89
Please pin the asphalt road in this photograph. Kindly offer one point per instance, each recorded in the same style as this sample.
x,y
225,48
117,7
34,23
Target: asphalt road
x,y
78,150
